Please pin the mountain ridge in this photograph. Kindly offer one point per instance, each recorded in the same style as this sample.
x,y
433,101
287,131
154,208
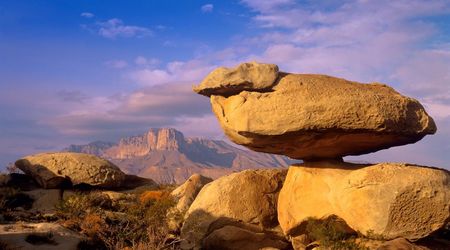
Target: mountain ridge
x,y
167,156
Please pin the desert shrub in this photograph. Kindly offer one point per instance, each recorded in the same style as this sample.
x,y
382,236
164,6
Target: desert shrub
x,y
149,196
80,204
331,234
92,225
142,224
135,222
11,198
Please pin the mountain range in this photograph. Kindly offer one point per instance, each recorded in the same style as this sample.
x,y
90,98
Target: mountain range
x,y
167,156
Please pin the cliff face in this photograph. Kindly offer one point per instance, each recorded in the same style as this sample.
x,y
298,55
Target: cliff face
x,y
166,156
154,139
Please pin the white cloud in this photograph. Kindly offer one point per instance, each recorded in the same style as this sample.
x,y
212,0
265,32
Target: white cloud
x,y
174,105
189,72
207,8
87,15
266,5
143,61
117,64
115,27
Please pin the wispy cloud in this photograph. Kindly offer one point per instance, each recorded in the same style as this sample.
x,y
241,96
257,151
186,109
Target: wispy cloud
x,y
115,27
87,15
189,72
165,105
207,8
146,62
266,5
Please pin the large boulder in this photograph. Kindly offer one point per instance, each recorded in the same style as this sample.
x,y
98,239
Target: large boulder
x,y
310,117
247,76
248,197
53,170
386,200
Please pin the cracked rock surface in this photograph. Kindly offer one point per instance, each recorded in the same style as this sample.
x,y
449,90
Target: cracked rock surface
x,y
388,199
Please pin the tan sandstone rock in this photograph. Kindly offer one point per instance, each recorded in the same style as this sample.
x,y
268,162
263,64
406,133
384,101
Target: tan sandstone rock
x,y
186,193
311,117
385,200
51,170
251,76
248,197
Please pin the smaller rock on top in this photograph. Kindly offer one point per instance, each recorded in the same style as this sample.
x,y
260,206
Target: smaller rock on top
x,y
250,76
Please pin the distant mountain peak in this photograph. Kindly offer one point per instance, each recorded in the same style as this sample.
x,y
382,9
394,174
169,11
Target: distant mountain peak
x,y
166,155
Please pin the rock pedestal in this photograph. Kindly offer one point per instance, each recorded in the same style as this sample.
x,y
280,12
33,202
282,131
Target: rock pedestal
x,y
385,200
320,119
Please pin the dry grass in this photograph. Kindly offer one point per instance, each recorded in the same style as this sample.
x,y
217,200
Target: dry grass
x,y
137,222
331,235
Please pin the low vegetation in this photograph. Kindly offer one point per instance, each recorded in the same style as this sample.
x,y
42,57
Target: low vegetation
x,y
332,234
131,221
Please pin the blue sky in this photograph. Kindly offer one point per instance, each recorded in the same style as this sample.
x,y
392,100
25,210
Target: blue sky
x,y
79,71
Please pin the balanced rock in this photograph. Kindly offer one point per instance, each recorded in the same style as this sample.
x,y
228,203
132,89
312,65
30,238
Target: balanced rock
x,y
312,117
51,170
248,197
247,76
385,200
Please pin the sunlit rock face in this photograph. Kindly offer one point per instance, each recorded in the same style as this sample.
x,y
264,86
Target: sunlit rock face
x,y
388,200
310,117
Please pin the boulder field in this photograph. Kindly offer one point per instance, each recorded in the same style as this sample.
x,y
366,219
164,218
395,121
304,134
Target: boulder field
x,y
318,119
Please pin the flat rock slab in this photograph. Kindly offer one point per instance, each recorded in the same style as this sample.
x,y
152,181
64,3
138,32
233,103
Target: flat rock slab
x,y
52,170
310,117
386,200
